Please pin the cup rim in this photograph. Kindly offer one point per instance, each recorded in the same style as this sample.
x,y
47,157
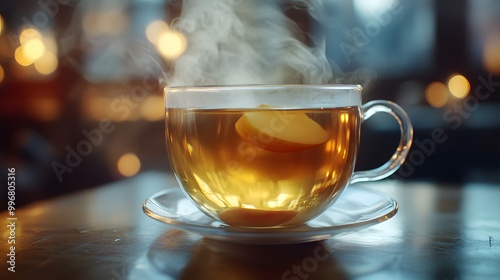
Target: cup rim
x,y
235,96
264,86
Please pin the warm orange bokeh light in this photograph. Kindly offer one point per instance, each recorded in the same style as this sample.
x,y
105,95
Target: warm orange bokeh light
x,y
2,74
128,164
47,64
29,34
459,86
491,54
38,50
152,108
21,58
436,94
1,24
50,44
34,49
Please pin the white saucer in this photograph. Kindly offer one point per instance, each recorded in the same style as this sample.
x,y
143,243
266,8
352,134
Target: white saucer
x,y
357,208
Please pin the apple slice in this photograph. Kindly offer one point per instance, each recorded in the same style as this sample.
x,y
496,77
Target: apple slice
x,y
280,131
244,217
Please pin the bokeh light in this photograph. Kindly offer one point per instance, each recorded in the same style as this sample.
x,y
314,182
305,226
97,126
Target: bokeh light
x,y
97,107
37,49
33,49
171,44
437,94
107,102
2,73
50,44
47,64
21,58
152,108
459,86
155,29
1,24
29,34
369,8
491,54
129,164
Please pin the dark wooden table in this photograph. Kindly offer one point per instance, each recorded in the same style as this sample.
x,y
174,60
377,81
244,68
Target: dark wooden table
x,y
440,232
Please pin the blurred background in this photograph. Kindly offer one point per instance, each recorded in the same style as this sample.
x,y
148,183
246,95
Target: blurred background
x,y
81,103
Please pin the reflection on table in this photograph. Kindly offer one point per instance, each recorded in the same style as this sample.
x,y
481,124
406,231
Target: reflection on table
x,y
440,232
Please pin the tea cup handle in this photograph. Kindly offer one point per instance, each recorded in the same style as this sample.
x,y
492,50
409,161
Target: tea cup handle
x,y
398,158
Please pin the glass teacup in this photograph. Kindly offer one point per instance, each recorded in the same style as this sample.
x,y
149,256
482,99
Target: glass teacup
x,y
271,155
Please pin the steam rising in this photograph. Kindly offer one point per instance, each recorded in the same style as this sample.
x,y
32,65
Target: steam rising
x,y
228,42
244,42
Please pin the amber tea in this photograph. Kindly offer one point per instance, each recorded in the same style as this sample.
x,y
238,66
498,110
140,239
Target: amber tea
x,y
266,156
263,167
